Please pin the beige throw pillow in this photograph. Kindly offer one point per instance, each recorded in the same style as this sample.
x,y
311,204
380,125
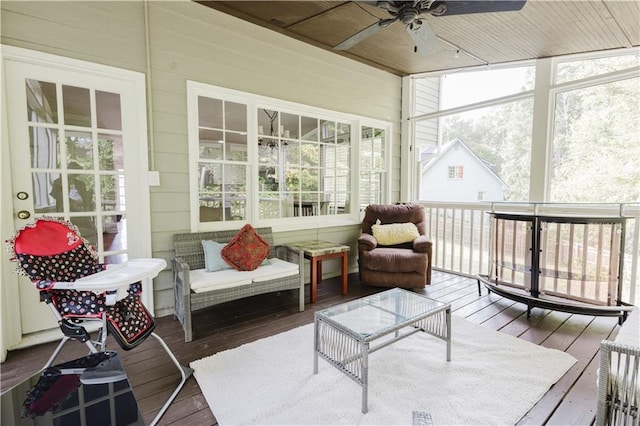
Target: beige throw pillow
x,y
395,233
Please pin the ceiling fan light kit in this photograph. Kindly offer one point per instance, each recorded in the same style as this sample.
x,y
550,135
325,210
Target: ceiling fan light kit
x,y
409,13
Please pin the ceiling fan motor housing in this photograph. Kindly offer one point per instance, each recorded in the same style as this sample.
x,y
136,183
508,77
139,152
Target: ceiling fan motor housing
x,y
408,14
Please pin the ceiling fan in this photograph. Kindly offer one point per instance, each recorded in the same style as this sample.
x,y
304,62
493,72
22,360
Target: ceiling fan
x,y
410,12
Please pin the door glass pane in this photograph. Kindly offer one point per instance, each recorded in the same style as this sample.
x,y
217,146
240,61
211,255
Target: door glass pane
x,y
43,199
42,105
108,110
76,103
115,238
111,193
87,227
44,148
81,192
110,152
79,150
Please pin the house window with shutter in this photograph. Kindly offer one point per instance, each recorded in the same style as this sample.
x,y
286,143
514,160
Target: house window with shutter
x,y
456,172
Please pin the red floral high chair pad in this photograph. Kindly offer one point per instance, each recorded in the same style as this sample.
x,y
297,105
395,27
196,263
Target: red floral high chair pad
x,y
51,250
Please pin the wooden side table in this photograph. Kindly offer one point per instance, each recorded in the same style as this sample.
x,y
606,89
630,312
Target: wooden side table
x,y
317,251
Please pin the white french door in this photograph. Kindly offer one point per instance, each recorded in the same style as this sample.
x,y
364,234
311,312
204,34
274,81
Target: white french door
x,y
77,142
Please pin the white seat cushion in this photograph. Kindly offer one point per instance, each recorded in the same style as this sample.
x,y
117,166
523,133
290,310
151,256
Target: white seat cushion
x,y
203,281
277,268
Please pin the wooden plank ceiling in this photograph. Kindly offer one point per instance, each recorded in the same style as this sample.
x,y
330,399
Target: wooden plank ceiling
x,y
542,28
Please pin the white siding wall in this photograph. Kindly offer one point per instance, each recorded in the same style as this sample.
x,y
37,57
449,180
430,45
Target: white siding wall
x,y
427,94
191,42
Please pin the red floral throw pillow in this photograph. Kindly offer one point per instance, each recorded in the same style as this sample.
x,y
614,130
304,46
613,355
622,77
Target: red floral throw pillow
x,y
246,250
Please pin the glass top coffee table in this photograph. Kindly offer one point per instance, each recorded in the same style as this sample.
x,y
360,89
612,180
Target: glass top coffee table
x,y
344,335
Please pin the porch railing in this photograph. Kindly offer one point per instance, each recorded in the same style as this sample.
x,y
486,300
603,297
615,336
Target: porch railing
x,y
461,235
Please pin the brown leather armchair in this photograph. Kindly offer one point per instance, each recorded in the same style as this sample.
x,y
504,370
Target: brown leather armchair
x,y
406,264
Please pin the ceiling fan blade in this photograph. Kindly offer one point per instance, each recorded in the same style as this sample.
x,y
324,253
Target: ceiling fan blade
x,y
424,38
361,35
455,7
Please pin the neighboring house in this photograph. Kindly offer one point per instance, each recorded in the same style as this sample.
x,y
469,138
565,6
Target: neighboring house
x,y
457,174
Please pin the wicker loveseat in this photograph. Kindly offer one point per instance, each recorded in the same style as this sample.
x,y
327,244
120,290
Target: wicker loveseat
x,y
195,289
618,376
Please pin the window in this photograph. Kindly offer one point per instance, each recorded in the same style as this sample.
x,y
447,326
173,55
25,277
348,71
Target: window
x,y
303,165
372,166
456,172
222,160
267,161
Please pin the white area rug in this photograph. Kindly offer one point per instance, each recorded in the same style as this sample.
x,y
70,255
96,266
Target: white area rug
x,y
492,379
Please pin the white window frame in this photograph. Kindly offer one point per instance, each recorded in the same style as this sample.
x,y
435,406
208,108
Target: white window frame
x,y
253,103
385,187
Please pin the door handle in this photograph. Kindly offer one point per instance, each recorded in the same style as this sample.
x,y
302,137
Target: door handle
x,y
23,214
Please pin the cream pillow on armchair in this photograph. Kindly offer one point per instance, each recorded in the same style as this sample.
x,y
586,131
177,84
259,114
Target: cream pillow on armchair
x,y
395,233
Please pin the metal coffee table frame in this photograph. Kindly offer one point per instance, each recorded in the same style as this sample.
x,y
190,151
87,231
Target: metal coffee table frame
x,y
344,334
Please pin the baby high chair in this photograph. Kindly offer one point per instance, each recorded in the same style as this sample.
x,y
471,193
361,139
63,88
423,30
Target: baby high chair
x,y
78,289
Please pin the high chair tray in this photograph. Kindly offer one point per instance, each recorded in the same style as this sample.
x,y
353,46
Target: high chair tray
x,y
117,275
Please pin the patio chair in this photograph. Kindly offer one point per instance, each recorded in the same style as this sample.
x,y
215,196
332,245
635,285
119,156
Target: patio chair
x,y
79,290
393,249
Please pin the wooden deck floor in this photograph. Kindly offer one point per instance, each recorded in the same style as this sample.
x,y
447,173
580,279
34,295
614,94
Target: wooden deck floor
x,y
572,401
